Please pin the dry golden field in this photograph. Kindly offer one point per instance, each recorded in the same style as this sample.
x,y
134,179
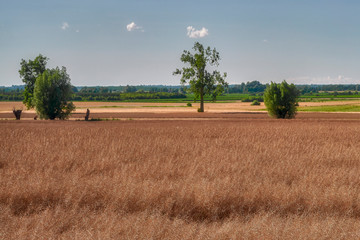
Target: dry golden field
x,y
237,176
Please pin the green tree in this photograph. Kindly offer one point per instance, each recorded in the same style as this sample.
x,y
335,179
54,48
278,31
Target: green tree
x,y
30,70
51,93
201,81
130,89
281,99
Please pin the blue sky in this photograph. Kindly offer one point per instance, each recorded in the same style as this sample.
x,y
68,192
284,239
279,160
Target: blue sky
x,y
115,42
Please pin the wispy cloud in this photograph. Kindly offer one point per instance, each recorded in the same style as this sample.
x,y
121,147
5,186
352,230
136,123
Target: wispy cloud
x,y
132,27
65,26
265,41
193,33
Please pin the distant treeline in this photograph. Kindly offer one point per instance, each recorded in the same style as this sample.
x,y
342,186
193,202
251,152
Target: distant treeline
x,y
81,96
123,93
106,96
131,89
257,87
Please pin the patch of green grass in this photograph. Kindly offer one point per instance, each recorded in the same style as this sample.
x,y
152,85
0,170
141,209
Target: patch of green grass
x,y
130,107
118,107
190,98
326,99
103,119
162,106
97,119
332,108
109,107
107,119
326,95
166,100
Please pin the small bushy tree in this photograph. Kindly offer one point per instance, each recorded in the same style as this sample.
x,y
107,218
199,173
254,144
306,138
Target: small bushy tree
x,y
281,99
51,93
255,103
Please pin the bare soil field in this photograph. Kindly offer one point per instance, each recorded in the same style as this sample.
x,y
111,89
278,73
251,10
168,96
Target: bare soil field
x,y
242,177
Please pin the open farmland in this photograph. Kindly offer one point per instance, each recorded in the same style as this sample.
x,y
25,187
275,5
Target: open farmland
x,y
145,110
241,177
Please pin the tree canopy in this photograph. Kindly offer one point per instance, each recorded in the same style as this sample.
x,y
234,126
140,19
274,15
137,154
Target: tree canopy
x,y
202,82
29,71
281,99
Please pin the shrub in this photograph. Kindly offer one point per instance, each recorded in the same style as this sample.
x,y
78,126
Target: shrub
x,y
189,104
51,93
252,98
281,99
255,103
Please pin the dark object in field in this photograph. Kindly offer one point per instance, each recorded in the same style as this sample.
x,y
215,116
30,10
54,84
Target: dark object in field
x,y
87,114
35,118
17,113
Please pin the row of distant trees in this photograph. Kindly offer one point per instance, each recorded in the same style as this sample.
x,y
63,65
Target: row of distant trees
x,y
89,96
86,96
249,87
252,87
15,93
130,89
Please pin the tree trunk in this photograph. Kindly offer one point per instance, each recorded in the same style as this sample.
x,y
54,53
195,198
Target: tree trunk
x,y
201,109
87,114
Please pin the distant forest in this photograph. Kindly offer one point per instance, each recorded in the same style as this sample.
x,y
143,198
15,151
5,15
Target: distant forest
x,y
124,93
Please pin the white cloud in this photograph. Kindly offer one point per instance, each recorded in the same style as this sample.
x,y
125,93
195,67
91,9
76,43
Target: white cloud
x,y
193,33
77,30
65,26
265,41
132,27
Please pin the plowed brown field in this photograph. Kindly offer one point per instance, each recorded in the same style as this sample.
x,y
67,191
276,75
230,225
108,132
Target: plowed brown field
x,y
181,176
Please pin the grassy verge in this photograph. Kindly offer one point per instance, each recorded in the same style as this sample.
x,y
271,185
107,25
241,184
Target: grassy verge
x,y
338,108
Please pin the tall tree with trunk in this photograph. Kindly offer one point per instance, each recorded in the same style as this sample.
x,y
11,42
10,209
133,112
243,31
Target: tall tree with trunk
x,y
202,82
29,71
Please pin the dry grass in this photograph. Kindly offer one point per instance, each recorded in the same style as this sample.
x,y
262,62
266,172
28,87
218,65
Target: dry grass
x,y
234,179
